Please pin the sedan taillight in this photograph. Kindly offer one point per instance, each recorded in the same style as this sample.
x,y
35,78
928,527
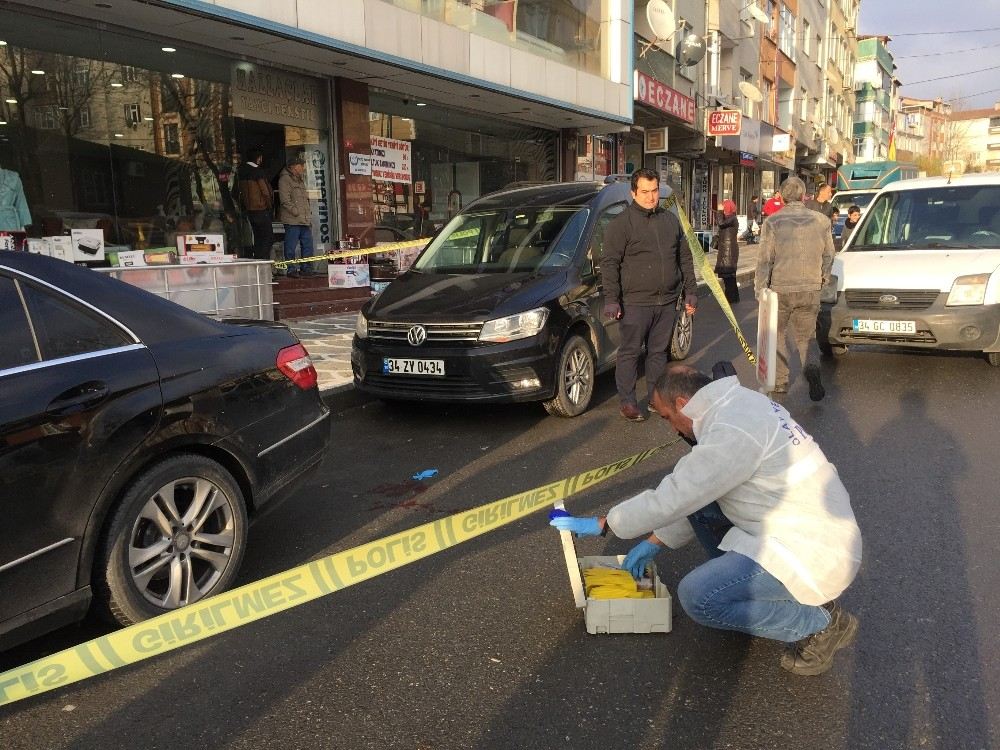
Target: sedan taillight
x,y
296,365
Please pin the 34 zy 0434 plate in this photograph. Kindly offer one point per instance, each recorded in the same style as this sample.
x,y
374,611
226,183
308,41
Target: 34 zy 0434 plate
x,y
890,327
393,366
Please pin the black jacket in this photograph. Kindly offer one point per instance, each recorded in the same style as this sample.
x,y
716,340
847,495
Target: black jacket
x,y
729,249
646,260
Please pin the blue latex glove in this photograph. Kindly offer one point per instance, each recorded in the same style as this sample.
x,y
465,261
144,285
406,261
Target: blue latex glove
x,y
580,526
639,556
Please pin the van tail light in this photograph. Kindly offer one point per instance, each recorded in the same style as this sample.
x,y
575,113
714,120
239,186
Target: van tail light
x,y
296,365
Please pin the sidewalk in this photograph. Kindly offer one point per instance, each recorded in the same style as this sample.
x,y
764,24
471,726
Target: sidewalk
x,y
328,338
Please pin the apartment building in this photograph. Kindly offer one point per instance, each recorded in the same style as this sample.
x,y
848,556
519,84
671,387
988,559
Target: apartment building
x,y
876,88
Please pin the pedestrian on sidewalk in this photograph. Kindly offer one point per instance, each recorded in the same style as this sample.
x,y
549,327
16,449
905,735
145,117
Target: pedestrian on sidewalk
x,y
795,259
822,202
258,202
646,267
753,220
768,507
729,251
774,204
296,215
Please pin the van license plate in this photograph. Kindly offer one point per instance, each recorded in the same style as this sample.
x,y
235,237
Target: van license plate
x,y
891,327
392,366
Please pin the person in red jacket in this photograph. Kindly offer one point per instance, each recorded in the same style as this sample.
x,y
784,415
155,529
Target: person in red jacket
x,y
773,205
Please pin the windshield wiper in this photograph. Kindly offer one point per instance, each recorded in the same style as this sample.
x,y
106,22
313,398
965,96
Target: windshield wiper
x,y
950,245
897,246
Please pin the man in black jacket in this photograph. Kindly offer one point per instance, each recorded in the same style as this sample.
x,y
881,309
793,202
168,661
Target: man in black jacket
x,y
646,266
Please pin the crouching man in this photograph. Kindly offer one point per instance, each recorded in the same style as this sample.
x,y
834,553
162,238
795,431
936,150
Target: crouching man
x,y
768,507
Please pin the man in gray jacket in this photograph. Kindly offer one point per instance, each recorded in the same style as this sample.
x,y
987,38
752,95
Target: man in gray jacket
x,y
295,213
768,507
795,258
645,267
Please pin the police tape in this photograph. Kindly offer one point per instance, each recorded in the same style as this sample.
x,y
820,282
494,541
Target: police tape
x,y
291,588
708,275
386,248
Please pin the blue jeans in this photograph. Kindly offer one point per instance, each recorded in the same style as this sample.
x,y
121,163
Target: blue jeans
x,y
732,592
294,234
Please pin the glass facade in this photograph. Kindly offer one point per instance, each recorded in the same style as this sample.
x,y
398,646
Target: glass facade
x,y
567,31
133,137
454,158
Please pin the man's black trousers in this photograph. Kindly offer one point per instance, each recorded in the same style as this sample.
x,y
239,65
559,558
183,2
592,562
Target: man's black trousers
x,y
263,234
649,324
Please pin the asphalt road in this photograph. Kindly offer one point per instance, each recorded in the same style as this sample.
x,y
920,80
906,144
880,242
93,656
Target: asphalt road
x,y
480,646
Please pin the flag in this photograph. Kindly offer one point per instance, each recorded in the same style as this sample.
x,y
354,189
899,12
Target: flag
x,y
892,142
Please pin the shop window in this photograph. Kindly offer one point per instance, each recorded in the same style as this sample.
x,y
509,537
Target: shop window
x,y
171,139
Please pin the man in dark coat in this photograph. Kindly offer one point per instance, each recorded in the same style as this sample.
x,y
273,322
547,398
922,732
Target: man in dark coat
x,y
646,266
258,202
729,250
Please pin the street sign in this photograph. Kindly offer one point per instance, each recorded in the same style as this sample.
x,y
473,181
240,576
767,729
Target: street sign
x,y
725,122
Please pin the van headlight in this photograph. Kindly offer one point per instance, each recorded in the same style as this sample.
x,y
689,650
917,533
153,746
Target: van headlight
x,y
969,290
361,326
514,327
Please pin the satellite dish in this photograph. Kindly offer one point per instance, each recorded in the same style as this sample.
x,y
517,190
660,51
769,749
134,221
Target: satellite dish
x,y
660,18
758,14
832,135
750,91
691,49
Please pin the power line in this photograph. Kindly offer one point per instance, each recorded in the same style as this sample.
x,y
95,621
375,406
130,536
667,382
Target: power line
x,y
956,75
931,33
951,52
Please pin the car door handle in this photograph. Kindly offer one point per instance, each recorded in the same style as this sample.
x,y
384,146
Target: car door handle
x,y
78,399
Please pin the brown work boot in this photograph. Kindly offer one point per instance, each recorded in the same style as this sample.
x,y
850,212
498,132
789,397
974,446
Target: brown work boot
x,y
632,413
814,654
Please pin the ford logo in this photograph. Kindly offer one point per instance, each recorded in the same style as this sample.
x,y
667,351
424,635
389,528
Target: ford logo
x,y
416,335
888,299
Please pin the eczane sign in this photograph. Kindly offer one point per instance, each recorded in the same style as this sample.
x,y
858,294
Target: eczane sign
x,y
654,94
725,122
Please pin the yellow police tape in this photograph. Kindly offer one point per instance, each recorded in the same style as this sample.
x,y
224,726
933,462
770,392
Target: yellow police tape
x,y
292,588
386,248
708,274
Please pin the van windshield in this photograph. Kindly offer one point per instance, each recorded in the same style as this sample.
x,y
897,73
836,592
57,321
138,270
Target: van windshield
x,y
843,201
950,216
506,241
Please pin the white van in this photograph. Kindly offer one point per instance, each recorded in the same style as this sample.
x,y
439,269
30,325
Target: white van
x,y
922,270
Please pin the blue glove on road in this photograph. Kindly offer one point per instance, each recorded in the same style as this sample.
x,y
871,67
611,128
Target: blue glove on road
x,y
639,556
579,526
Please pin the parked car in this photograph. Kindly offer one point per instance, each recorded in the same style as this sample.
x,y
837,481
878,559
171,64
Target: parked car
x,y
922,270
136,439
505,304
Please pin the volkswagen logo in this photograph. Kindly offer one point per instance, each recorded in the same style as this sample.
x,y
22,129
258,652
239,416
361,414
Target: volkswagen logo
x,y
416,335
888,299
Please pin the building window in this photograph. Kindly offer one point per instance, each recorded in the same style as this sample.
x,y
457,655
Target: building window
x,y
803,105
81,79
133,115
129,74
772,14
747,101
45,118
171,140
806,38
786,32
84,115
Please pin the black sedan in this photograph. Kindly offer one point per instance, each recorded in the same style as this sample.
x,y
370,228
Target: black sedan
x,y
136,440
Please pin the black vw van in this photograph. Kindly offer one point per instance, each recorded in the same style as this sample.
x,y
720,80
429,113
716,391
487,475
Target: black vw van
x,y
504,304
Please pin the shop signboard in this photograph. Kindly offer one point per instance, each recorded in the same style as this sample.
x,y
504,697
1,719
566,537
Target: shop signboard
x,y
700,199
271,95
391,160
659,96
780,142
317,183
360,163
724,122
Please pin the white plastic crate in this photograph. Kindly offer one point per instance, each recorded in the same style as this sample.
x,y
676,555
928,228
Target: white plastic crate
x,y
624,615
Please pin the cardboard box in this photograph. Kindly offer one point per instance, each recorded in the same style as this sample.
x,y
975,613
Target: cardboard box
x,y
88,245
37,245
653,615
60,247
200,243
129,259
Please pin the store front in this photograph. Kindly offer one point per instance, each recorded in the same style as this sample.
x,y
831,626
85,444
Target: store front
x,y
130,136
